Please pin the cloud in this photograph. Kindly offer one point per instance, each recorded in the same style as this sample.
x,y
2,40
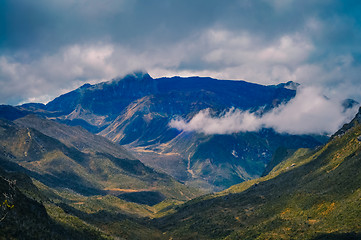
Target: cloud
x,y
51,74
45,77
243,47
217,53
48,47
232,121
310,112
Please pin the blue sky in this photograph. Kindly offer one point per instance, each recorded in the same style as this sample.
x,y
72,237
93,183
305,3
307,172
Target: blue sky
x,y
49,47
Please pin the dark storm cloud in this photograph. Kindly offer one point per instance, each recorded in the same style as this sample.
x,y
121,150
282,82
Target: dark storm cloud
x,y
50,24
46,24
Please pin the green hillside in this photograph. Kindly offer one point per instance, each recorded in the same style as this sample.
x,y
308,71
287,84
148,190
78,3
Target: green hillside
x,y
73,194
31,210
24,216
91,171
312,195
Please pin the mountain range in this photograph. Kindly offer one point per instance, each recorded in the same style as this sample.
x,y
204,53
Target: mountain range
x,y
135,111
310,194
71,157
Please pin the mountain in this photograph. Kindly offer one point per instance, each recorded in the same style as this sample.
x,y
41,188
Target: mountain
x,y
74,137
312,194
97,105
18,209
94,106
12,113
135,111
70,157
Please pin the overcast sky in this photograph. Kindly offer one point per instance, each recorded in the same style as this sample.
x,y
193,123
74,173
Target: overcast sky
x,y
48,47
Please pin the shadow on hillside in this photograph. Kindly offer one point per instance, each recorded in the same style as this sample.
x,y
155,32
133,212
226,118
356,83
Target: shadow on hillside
x,y
149,198
101,216
62,180
338,236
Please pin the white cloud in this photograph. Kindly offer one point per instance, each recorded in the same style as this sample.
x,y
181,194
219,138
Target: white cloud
x,y
38,79
239,55
244,48
231,121
309,112
45,77
213,52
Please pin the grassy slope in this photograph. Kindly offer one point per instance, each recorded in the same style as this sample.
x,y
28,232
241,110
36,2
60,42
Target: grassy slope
x,y
69,186
25,217
111,216
40,212
312,195
75,137
58,165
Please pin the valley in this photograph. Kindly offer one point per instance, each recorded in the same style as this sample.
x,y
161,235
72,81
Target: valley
x,y
180,120
73,168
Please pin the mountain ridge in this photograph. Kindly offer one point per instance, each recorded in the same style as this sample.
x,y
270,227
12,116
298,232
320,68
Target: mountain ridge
x,y
135,111
78,160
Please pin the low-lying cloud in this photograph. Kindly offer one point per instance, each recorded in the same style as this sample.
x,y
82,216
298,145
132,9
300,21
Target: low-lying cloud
x,y
310,112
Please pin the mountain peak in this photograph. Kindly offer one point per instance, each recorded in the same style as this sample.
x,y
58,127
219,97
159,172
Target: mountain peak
x,y
289,85
138,75
349,103
84,86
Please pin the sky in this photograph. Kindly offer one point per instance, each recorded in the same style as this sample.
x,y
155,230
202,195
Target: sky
x,y
49,47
